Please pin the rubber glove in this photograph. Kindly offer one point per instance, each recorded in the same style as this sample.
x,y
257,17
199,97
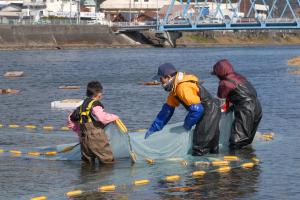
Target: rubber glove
x,y
148,133
161,120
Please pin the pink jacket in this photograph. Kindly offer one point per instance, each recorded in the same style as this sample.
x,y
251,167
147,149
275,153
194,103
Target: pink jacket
x,y
99,115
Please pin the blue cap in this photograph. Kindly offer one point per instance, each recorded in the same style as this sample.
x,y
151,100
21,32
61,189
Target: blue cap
x,y
165,69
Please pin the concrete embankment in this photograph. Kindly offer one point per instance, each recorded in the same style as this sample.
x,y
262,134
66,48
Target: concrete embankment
x,y
61,36
96,36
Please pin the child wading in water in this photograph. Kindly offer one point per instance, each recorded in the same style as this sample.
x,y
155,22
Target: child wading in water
x,y
89,120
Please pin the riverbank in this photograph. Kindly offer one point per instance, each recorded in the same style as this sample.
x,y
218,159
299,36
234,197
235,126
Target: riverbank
x,y
19,37
239,38
14,37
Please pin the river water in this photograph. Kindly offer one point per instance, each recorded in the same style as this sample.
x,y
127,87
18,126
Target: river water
x,y
120,71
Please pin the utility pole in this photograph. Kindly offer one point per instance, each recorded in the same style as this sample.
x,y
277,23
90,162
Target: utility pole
x,y
78,11
70,11
157,20
129,12
28,13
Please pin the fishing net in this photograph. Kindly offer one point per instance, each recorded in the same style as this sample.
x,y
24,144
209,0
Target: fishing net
x,y
171,142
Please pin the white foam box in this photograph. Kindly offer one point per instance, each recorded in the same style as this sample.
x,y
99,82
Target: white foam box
x,y
66,104
13,74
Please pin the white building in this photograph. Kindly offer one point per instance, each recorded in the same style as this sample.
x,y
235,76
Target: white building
x,y
262,12
115,6
61,8
22,9
34,9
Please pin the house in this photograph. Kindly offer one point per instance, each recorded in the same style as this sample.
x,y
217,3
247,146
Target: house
x,y
10,12
210,12
21,11
147,16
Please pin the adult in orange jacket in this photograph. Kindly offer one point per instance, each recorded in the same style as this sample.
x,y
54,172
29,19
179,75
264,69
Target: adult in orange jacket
x,y
202,111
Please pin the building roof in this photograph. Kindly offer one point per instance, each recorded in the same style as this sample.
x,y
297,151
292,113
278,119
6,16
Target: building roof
x,y
11,8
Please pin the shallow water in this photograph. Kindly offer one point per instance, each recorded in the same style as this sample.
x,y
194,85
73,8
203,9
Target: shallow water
x,y
120,71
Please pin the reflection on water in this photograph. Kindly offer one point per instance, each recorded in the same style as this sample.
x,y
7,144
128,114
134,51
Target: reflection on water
x,y
238,183
120,71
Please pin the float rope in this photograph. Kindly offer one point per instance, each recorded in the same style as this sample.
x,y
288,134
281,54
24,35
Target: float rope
x,y
169,178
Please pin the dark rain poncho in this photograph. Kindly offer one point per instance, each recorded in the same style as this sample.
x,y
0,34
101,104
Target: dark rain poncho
x,y
241,94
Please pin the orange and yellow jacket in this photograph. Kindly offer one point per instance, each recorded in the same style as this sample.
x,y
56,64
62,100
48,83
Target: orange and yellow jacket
x,y
185,91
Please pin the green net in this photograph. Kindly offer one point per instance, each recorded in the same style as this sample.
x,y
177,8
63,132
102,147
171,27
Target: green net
x,y
170,143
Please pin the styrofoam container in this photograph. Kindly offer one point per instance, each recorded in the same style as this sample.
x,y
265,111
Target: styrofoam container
x,y
66,104
13,74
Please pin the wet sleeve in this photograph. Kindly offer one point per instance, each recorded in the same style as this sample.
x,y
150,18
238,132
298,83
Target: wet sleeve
x,y
194,115
188,95
223,90
103,117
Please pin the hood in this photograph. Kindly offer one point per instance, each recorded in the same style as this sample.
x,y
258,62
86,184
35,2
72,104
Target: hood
x,y
183,77
222,69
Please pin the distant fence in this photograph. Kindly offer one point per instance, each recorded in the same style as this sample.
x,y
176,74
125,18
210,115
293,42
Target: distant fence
x,y
126,24
54,21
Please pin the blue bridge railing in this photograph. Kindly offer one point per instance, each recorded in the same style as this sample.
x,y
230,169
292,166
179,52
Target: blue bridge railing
x,y
193,15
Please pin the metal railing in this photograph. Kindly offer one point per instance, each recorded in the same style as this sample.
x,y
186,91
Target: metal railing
x,y
133,24
128,6
60,21
280,20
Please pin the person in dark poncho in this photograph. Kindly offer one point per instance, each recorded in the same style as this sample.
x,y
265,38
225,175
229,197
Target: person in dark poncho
x,y
239,93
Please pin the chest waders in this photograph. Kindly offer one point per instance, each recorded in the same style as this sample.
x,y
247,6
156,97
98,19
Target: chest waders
x,y
94,142
247,114
206,133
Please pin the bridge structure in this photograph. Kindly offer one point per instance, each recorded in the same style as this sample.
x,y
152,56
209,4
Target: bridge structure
x,y
200,15
214,15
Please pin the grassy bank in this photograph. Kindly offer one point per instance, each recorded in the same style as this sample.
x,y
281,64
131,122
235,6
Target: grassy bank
x,y
212,38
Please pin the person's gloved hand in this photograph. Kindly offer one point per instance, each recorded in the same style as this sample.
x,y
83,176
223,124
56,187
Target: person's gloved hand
x,y
148,133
